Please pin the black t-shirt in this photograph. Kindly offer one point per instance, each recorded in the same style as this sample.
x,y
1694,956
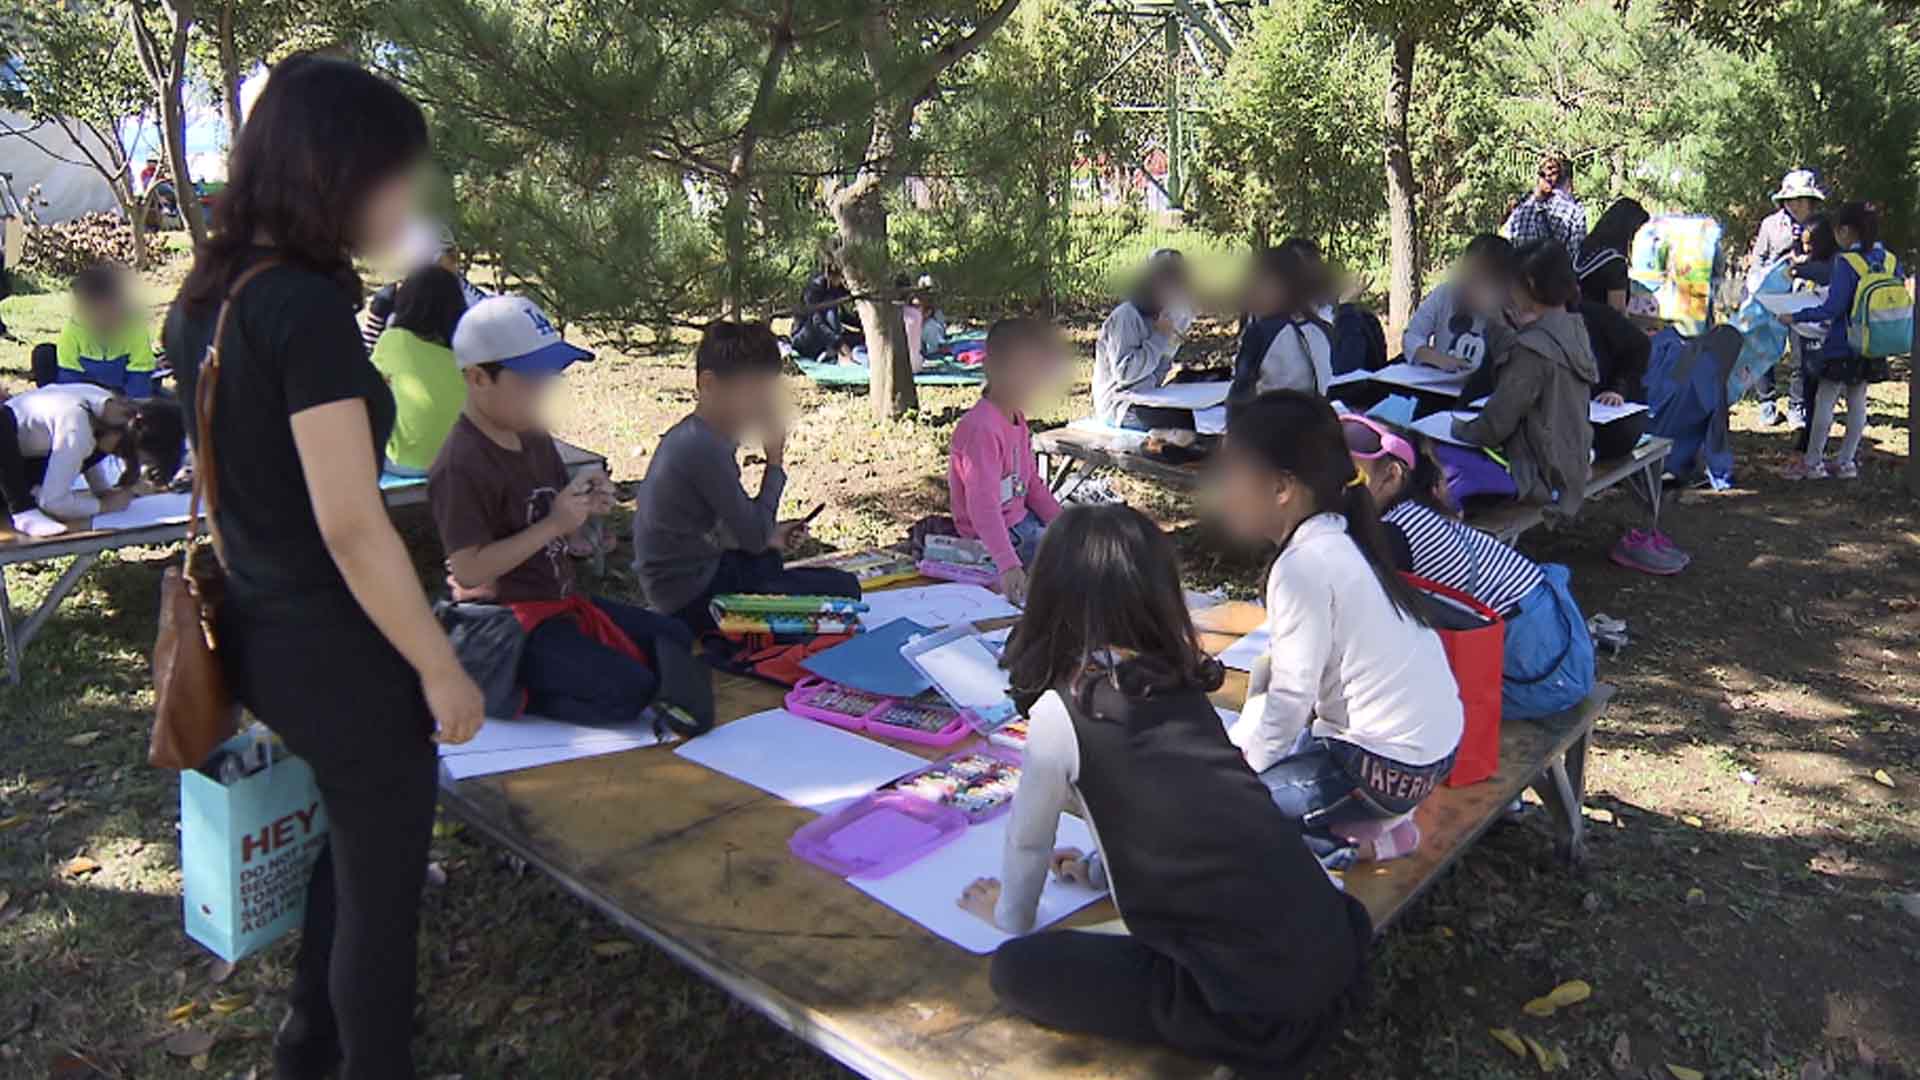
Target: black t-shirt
x,y
1609,277
291,345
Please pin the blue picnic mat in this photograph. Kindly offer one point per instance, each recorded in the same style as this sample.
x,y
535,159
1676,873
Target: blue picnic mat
x,y
936,373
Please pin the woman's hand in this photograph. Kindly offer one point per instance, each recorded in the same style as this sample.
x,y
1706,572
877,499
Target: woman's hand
x,y
1609,399
1071,866
979,898
457,706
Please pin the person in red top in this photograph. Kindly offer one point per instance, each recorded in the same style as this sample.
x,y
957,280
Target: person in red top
x,y
504,508
993,482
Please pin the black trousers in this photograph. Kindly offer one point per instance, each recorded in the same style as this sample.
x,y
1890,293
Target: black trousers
x,y
45,364
1115,986
340,696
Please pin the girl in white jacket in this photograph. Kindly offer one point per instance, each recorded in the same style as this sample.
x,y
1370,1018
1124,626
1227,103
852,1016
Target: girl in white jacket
x,y
1353,716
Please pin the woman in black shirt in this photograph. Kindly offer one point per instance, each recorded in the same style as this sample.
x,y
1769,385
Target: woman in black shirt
x,y
325,631
1604,255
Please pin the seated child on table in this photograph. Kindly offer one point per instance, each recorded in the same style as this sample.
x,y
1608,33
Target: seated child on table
x,y
1286,344
1239,947
1459,324
1541,674
1541,383
504,508
415,354
52,436
105,342
696,532
995,490
1136,345
1353,717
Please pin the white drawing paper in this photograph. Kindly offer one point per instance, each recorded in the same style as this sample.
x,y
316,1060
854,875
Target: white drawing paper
x,y
168,508
936,606
1192,395
806,763
927,891
967,672
1439,426
1241,654
1421,377
1607,414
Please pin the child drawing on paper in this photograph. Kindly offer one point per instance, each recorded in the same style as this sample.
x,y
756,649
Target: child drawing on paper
x,y
1239,946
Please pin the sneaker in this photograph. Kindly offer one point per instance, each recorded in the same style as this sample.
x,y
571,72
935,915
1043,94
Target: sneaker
x,y
1637,551
1665,543
1798,469
1846,470
1796,417
1769,413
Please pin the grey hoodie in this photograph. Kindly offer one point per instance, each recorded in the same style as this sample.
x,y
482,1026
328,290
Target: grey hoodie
x,y
1538,412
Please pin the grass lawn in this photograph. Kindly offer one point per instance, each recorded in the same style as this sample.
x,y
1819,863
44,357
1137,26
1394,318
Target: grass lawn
x,y
1754,795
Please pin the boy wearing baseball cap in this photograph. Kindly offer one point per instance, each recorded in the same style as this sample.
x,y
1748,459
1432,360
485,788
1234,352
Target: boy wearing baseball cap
x,y
505,509
697,533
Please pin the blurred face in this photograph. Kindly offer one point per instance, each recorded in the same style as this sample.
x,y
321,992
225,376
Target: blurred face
x,y
1480,290
387,213
747,402
1846,236
103,316
1028,371
1267,295
511,400
1801,208
1253,501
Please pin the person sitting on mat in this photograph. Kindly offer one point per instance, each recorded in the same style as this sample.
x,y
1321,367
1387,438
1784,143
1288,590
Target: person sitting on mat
x,y
1238,946
1545,670
55,435
504,508
1136,346
105,342
415,354
1352,717
994,486
696,532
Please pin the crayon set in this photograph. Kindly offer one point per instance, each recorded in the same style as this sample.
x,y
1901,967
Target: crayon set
x,y
785,617
979,784
952,558
872,569
925,719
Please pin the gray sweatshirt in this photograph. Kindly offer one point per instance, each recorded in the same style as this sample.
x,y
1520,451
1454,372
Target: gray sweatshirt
x,y
1130,355
691,508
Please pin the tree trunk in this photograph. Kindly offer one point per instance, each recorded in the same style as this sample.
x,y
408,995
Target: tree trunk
x,y
174,136
229,75
860,213
1403,224
166,74
739,205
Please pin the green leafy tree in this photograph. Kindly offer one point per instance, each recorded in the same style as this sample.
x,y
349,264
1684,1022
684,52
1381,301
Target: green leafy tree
x,y
77,73
162,31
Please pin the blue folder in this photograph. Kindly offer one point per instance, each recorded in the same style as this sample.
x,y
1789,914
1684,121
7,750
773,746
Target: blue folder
x,y
872,661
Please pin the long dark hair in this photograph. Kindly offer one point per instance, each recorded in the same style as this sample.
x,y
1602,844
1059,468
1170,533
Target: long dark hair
x,y
429,303
153,440
1299,434
1817,239
1862,218
1106,580
323,133
1616,228
1545,270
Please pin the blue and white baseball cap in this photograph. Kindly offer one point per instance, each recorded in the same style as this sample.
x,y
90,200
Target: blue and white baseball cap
x,y
512,331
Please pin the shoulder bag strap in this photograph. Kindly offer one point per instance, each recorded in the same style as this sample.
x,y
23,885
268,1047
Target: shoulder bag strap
x,y
205,488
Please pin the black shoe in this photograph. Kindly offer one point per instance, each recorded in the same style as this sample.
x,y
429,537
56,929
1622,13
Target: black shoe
x,y
301,1054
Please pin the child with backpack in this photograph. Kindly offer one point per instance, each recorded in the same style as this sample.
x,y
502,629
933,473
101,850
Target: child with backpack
x,y
1286,345
996,492
1238,946
1352,718
1548,661
1869,317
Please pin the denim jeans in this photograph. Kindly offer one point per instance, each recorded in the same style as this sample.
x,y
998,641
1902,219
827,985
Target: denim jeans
x,y
1026,537
1312,786
570,677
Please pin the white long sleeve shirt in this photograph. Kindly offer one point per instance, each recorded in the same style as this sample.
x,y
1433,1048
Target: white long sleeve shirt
x,y
1344,660
1131,354
56,423
1048,772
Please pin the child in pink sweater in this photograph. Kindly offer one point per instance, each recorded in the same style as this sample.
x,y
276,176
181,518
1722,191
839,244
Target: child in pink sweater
x,y
995,488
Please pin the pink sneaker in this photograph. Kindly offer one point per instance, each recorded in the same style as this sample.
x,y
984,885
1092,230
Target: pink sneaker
x,y
1798,469
1665,543
1636,550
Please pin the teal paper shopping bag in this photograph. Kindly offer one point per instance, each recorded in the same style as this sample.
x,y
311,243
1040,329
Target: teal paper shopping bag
x,y
246,850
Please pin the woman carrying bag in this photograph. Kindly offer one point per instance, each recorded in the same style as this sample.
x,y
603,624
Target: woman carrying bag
x,y
323,630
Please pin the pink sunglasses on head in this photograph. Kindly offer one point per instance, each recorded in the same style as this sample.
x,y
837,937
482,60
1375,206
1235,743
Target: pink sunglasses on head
x,y
1370,440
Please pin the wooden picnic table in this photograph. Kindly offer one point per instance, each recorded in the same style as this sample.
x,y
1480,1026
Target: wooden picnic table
x,y
86,545
697,864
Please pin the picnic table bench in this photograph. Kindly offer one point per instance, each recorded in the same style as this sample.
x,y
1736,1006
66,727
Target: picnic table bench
x,y
1069,456
697,864
86,545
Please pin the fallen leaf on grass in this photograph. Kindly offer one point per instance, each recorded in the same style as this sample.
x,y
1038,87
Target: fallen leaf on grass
x,y
1681,1072
199,1062
525,1003
1696,895
85,738
80,866
1571,992
189,1043
1622,1058
1505,1037
1881,775
180,1014
1548,1060
1693,820
612,948
13,821
1540,1007
227,1006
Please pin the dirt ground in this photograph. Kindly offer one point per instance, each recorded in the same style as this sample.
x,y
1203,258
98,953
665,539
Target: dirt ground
x,y
1751,907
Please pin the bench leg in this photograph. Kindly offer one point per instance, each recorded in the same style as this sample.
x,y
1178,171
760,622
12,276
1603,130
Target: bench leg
x,y
1068,478
18,634
7,631
1651,488
1563,788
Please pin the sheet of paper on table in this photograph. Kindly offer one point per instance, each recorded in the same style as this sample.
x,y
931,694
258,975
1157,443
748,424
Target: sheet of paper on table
x,y
1438,426
1212,421
1121,438
1607,414
527,742
1421,377
1786,303
927,891
936,606
805,762
166,508
1241,654
1354,376
1193,395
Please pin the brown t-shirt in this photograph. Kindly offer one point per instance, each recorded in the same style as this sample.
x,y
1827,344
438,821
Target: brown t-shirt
x,y
483,492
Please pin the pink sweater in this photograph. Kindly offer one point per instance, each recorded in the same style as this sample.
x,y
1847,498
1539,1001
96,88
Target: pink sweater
x,y
993,481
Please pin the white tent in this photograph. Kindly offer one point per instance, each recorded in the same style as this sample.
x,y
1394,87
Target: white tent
x,y
43,155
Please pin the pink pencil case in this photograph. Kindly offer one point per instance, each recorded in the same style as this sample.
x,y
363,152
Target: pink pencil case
x,y
877,834
979,782
925,723
967,575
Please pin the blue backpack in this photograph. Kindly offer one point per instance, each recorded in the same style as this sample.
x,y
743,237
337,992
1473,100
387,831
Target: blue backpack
x,y
1359,341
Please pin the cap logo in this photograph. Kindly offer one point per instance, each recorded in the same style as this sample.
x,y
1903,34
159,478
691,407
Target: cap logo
x,y
540,323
